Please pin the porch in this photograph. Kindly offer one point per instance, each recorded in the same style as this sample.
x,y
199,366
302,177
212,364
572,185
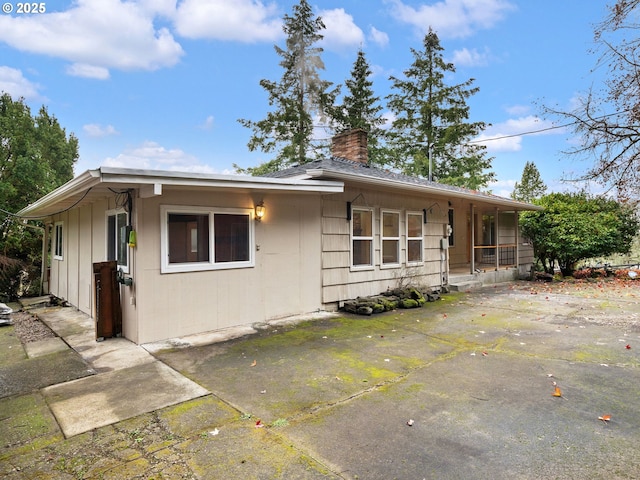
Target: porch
x,y
486,247
463,281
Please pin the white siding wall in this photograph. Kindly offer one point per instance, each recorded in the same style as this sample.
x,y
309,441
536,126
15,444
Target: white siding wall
x,y
302,260
459,251
84,244
284,281
340,282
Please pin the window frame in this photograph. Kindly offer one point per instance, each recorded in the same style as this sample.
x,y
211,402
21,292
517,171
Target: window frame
x,y
115,213
420,216
384,239
58,240
211,264
361,238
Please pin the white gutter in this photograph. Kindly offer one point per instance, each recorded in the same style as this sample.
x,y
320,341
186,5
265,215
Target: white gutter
x,y
183,179
113,177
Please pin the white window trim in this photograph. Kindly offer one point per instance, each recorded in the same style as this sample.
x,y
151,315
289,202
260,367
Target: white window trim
x,y
108,213
55,241
371,266
421,238
396,239
166,267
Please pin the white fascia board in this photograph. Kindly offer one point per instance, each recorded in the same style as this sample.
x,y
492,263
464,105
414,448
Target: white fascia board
x,y
73,187
132,178
183,179
435,189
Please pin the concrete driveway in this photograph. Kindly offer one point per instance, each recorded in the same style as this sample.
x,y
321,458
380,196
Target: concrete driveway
x,y
462,388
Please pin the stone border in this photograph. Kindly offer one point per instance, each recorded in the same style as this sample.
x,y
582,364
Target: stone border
x,y
391,300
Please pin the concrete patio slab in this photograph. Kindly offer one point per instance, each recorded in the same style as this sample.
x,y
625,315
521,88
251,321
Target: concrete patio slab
x,y
45,347
92,402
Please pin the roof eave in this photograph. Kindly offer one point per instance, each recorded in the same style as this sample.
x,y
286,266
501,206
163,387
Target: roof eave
x,y
131,178
73,187
435,188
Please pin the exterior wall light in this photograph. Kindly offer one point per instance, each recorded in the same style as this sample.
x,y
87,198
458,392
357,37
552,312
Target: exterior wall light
x,y
260,211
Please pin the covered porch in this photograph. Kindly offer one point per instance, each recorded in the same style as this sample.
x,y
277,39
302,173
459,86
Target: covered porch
x,y
487,239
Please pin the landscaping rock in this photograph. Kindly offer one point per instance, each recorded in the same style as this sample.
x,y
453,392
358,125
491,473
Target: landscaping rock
x,y
390,300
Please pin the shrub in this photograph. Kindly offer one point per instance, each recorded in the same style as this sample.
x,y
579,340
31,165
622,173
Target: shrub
x,y
10,273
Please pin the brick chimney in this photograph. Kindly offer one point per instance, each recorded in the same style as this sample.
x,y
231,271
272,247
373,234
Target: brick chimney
x,y
351,145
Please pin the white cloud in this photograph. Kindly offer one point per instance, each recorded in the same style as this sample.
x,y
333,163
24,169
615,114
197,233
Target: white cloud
x,y
470,58
240,20
507,136
378,37
208,123
518,110
153,156
341,31
15,84
452,18
502,188
389,118
96,35
88,71
96,130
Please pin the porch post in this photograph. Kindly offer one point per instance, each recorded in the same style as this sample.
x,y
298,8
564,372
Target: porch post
x,y
517,223
497,239
473,240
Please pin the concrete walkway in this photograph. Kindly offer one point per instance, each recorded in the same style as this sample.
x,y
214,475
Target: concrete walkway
x,y
510,382
127,381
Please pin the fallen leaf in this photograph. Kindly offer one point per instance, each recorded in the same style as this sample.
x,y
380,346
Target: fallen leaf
x,y
605,418
557,392
255,362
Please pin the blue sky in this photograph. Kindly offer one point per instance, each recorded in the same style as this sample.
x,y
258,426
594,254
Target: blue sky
x,y
160,84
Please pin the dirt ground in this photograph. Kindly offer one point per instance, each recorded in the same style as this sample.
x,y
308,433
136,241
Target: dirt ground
x,y
515,381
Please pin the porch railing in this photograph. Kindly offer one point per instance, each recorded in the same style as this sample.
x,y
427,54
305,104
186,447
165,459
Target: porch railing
x,y
486,255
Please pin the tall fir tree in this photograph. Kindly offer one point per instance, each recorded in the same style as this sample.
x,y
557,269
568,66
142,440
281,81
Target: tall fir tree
x,y
431,120
361,108
299,96
531,186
